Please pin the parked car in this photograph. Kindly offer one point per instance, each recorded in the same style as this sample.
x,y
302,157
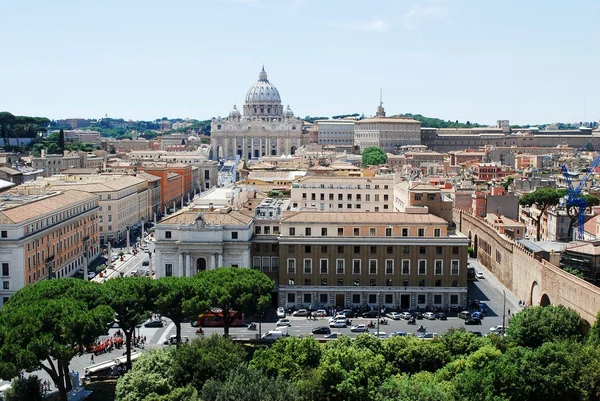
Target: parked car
x,y
359,328
477,315
429,315
464,314
321,313
398,334
338,323
472,320
300,312
335,334
284,323
427,336
321,330
154,323
370,314
91,275
406,315
479,275
280,313
146,263
394,316
498,330
173,340
417,315
381,334
441,316
349,313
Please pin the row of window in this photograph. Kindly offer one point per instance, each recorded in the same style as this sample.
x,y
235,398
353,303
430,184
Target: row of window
x,y
439,250
347,186
437,232
340,197
340,266
339,206
388,299
169,235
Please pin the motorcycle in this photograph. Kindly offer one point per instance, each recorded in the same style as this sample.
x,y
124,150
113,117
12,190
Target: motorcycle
x,y
383,321
199,331
422,329
252,326
371,325
412,321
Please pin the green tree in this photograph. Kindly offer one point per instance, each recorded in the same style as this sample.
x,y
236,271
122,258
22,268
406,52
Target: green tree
x,y
459,342
373,156
61,140
412,355
42,324
130,298
150,379
534,326
245,384
53,149
351,374
288,358
173,296
542,198
421,386
24,389
235,291
205,358
36,151
573,271
594,333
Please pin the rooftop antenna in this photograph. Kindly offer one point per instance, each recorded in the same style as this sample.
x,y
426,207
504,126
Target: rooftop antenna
x,y
380,96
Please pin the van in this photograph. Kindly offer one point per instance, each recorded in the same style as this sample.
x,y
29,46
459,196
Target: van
x,y
464,315
275,334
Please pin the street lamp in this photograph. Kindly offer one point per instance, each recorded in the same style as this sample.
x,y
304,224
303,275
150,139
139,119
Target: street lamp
x,y
378,313
504,310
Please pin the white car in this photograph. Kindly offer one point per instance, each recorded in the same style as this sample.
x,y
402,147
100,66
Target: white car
x,y
406,315
338,323
479,275
91,275
359,328
300,312
280,313
498,330
284,323
429,315
381,334
394,316
173,340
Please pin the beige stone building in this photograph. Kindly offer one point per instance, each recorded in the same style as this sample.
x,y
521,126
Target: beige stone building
x,y
422,197
387,133
343,193
346,259
123,200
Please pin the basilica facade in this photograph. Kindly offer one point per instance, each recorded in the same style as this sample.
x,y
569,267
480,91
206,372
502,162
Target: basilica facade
x,y
264,129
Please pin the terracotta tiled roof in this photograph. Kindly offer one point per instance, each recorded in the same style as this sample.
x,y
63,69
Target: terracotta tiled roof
x,y
232,218
362,217
106,186
40,207
590,225
585,247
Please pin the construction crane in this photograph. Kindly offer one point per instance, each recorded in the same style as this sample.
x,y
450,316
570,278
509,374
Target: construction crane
x,y
574,199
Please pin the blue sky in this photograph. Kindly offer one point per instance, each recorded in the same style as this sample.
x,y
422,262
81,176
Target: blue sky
x,y
479,60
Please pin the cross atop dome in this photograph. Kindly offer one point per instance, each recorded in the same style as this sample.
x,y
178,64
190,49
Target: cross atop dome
x,y
263,75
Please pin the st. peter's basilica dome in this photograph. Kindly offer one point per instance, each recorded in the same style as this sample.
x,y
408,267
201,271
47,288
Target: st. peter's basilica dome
x,y
263,91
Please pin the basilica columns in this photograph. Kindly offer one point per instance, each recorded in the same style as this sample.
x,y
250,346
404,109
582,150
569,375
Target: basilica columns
x,y
181,265
188,267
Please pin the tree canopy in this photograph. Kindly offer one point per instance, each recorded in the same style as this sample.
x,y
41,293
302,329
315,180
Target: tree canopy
x,y
373,156
42,324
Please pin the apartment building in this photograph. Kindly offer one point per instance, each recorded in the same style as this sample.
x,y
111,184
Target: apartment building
x,y
82,136
154,205
122,201
343,193
190,241
422,195
171,186
265,243
489,172
347,259
54,164
387,133
51,235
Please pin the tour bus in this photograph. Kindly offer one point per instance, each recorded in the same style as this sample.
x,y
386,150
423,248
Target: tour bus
x,y
214,318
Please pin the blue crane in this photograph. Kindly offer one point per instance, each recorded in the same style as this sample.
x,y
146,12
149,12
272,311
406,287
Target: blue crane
x,y
574,198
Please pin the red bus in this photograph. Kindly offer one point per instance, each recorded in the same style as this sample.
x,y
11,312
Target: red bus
x,y
215,319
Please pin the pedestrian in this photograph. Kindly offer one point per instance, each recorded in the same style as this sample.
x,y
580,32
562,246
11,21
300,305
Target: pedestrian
x,y
92,358
509,312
